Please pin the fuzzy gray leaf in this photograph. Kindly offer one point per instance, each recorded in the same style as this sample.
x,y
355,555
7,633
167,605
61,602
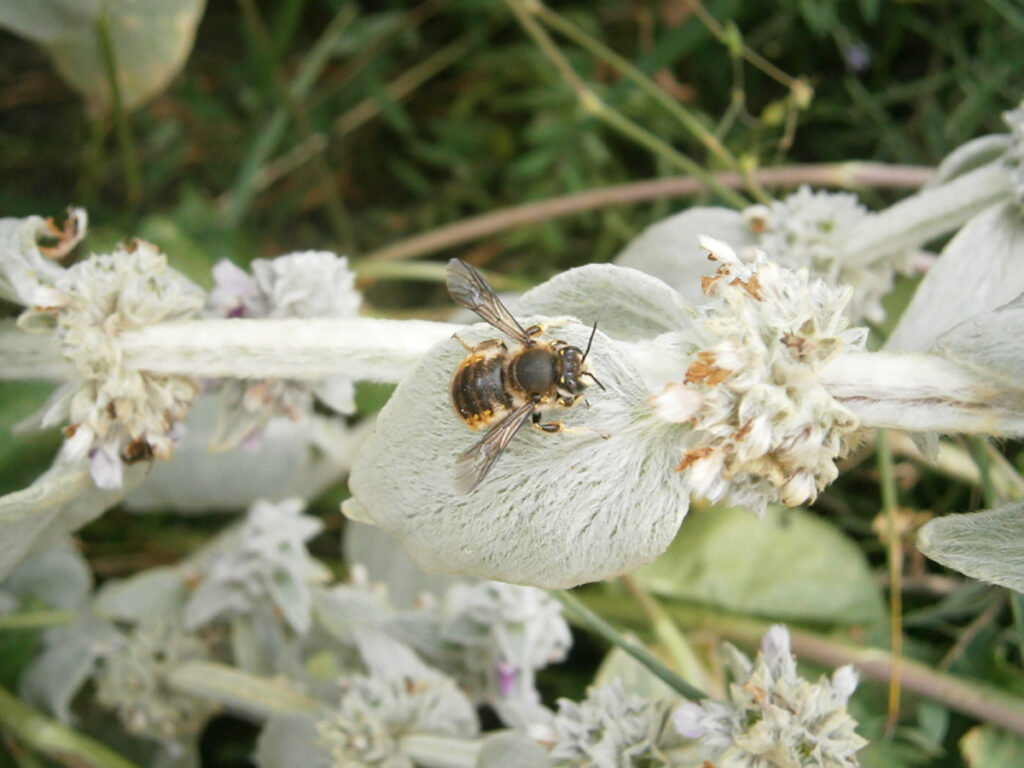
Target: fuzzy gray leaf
x,y
984,545
980,269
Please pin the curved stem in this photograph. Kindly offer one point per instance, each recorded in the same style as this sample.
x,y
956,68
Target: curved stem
x,y
601,627
53,739
841,175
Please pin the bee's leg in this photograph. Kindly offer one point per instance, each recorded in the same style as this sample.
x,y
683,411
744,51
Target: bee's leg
x,y
534,330
459,339
557,426
552,426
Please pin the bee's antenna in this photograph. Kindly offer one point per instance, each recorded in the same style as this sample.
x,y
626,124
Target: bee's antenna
x,y
592,376
589,342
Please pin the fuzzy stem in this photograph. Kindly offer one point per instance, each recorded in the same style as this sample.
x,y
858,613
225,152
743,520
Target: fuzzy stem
x,y
929,214
30,356
922,393
894,558
362,348
243,693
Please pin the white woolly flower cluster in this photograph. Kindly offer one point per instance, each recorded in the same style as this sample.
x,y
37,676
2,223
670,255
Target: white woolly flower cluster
x,y
770,429
774,718
811,229
309,284
131,680
117,415
508,632
375,712
268,561
613,729
1014,157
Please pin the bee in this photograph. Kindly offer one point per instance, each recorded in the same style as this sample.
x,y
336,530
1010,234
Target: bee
x,y
495,385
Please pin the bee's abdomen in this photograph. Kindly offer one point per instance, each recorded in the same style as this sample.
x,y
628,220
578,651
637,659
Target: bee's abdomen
x,y
478,389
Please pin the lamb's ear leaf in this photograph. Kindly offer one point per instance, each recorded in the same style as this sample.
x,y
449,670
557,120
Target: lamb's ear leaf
x,y
979,270
151,42
62,500
625,303
556,510
983,545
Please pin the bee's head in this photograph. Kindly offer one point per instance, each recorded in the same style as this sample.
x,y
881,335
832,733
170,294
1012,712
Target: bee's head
x,y
572,368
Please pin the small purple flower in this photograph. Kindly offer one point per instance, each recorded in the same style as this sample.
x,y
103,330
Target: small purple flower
x,y
507,674
232,286
687,720
105,467
857,57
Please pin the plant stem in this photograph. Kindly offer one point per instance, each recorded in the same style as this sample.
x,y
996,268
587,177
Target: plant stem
x,y
593,105
92,158
244,693
129,164
663,627
894,552
601,627
752,56
842,175
53,739
35,620
372,349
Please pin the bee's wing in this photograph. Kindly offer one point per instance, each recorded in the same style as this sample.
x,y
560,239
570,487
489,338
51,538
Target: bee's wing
x,y
476,462
468,288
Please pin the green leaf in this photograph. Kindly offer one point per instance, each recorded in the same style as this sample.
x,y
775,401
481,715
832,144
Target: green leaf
x,y
986,747
151,40
634,676
792,566
984,545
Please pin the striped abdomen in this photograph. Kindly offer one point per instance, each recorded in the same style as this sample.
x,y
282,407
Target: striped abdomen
x,y
478,386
